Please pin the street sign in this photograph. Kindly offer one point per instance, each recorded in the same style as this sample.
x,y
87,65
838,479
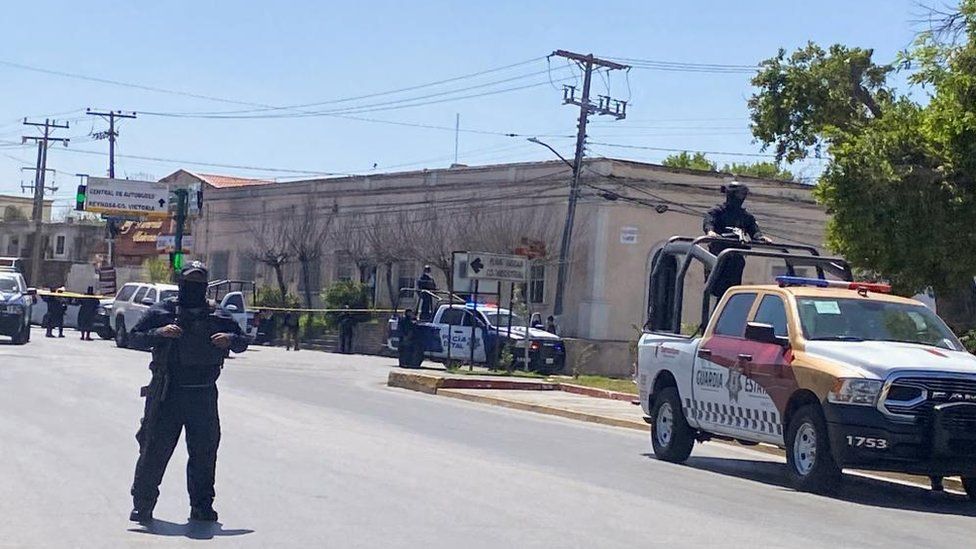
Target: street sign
x,y
126,197
500,268
166,243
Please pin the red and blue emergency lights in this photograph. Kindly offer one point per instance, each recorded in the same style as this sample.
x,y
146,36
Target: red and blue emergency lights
x,y
842,284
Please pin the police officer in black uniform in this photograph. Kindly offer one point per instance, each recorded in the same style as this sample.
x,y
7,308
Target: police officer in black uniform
x,y
426,285
190,340
720,220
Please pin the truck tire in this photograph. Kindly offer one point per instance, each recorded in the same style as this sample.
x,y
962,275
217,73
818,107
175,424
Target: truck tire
x,y
121,338
969,485
671,436
810,465
23,336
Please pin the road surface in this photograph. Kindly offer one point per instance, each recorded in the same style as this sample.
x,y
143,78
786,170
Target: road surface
x,y
318,452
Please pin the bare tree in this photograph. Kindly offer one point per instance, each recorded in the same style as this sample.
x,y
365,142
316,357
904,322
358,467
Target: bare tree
x,y
387,244
269,247
307,233
352,241
433,235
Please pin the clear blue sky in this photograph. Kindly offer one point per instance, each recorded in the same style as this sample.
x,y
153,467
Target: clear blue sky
x,y
298,52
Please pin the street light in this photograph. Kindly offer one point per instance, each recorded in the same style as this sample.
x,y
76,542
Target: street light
x,y
554,151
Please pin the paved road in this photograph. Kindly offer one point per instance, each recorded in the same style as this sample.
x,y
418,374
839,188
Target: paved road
x,y
317,452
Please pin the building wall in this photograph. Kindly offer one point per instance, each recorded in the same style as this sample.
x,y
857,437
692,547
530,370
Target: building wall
x,y
606,294
65,244
24,205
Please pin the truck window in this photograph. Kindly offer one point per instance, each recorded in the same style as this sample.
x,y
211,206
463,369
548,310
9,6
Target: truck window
x,y
772,311
151,294
126,292
452,316
140,294
732,321
238,301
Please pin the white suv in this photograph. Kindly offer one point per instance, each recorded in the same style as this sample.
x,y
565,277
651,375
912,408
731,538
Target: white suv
x,y
131,302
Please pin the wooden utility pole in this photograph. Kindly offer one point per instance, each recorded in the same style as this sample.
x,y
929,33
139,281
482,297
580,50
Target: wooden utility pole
x,y
39,187
606,106
111,225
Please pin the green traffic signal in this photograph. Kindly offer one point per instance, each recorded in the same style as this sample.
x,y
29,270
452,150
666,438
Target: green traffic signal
x,y
177,261
80,198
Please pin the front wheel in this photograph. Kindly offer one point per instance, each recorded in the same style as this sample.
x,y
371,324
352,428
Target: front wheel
x,y
671,436
121,338
969,485
809,464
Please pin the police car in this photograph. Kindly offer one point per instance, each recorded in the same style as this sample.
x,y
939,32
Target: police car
x,y
16,304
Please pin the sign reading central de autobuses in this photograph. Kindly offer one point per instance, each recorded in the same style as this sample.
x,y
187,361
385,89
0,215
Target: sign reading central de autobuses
x,y
126,197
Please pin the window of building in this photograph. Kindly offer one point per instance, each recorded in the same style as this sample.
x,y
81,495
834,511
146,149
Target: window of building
x,y
245,267
537,284
772,311
407,274
13,247
59,245
733,319
345,268
218,265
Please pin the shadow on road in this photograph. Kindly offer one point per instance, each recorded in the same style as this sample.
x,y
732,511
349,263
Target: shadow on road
x,y
856,489
191,529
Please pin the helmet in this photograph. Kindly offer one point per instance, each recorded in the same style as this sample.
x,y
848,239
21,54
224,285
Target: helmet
x,y
736,190
195,268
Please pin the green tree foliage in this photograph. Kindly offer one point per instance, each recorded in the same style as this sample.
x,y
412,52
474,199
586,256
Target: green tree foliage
x,y
686,160
270,296
159,270
901,176
764,170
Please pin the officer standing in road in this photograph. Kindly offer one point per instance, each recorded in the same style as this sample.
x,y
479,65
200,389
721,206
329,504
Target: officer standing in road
x,y
407,327
723,218
189,341
426,285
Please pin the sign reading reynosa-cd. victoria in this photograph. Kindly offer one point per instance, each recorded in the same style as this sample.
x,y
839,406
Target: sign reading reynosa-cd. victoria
x,y
126,197
503,268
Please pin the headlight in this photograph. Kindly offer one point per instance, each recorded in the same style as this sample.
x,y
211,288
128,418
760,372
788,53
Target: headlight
x,y
860,392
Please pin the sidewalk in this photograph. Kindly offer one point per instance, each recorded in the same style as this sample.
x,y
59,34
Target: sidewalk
x,y
568,401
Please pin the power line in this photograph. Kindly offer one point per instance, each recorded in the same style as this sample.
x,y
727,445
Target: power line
x,y
663,149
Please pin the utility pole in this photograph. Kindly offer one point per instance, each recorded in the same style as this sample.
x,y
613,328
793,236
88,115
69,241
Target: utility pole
x,y
182,198
111,134
111,226
39,186
606,106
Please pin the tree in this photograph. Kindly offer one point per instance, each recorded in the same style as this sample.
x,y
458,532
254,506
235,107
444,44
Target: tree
x,y
901,176
269,247
763,170
307,234
697,161
386,244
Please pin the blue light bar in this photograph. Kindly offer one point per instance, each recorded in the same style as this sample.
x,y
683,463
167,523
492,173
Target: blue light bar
x,y
804,281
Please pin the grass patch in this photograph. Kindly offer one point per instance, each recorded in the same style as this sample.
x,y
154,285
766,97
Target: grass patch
x,y
485,372
600,382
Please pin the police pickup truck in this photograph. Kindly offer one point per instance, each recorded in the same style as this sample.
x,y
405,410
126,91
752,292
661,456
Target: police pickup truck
x,y
459,331
838,373
16,302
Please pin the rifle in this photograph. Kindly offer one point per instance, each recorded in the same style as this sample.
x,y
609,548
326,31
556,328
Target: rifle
x,y
155,394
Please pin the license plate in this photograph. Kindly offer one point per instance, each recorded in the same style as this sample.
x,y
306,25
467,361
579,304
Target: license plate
x,y
550,361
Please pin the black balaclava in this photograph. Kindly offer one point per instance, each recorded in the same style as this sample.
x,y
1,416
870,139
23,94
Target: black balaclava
x,y
736,194
193,285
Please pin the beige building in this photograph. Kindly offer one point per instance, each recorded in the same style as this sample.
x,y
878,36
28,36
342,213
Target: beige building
x,y
13,208
625,212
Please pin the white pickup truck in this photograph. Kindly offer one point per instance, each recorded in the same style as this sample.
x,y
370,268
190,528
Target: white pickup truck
x,y
838,373
455,328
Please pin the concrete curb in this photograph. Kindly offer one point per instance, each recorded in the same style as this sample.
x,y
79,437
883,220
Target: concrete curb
x,y
541,409
439,385
596,393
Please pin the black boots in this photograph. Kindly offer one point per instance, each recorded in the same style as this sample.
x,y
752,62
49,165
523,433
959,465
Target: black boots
x,y
141,515
203,514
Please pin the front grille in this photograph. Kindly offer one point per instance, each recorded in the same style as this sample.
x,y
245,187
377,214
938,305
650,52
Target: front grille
x,y
960,419
898,399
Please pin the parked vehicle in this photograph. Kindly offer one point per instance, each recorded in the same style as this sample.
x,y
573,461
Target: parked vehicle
x,y
449,337
16,304
102,324
838,373
131,302
232,296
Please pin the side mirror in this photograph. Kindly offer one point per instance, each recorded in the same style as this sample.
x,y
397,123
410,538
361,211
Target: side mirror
x,y
764,333
32,292
148,301
231,308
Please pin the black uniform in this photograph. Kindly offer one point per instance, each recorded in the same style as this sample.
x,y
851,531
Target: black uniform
x,y
346,323
426,282
56,308
182,394
721,219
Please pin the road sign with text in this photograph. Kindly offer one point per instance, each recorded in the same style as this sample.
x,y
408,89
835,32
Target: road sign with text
x,y
501,268
126,197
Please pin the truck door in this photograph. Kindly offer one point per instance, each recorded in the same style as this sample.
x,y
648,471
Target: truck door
x,y
772,381
720,369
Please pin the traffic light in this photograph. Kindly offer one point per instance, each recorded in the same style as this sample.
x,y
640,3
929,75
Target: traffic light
x,y
80,198
176,260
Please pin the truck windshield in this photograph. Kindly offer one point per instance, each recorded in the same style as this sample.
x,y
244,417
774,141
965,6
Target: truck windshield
x,y
9,284
501,319
831,319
